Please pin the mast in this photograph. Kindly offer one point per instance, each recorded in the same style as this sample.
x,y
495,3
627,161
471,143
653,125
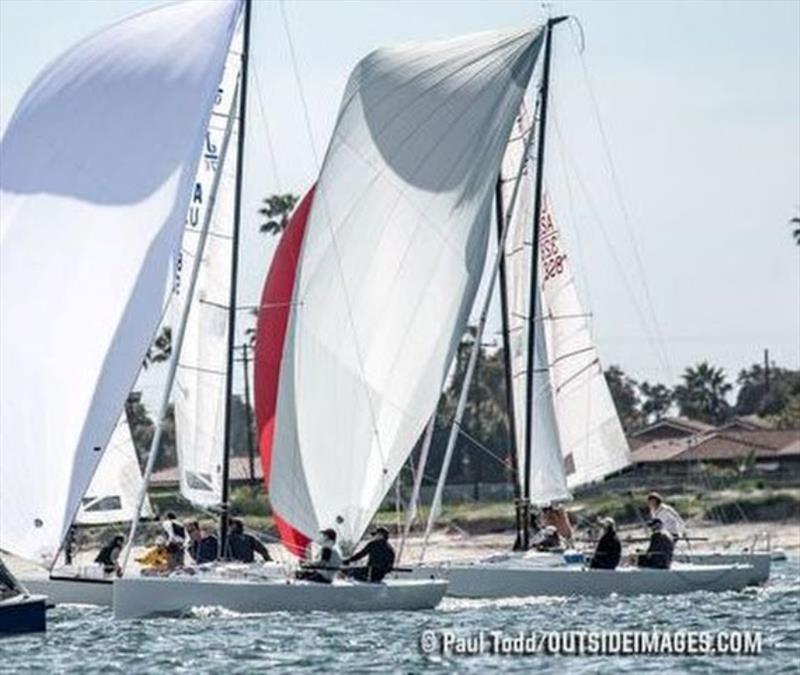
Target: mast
x,y
512,422
237,216
537,215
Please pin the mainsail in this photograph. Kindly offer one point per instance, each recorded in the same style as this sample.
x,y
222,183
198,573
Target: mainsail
x,y
389,253
98,164
111,497
577,435
592,439
547,479
200,379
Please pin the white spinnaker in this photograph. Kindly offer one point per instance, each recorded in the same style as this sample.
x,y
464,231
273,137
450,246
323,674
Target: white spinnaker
x,y
98,163
392,256
111,497
200,380
592,440
547,479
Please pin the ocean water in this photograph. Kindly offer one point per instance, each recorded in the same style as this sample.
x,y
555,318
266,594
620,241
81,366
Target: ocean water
x,y
88,640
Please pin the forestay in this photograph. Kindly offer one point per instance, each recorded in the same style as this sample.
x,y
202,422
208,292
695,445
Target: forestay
x,y
98,161
547,478
111,497
592,440
200,379
391,253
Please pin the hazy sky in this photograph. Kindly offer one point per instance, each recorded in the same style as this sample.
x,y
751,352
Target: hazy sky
x,y
700,102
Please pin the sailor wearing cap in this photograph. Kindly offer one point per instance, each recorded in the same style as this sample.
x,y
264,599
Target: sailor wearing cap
x,y
608,552
324,568
659,552
380,558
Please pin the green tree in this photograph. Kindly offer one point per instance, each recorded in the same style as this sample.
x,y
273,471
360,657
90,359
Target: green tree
x,y
276,210
624,393
656,400
703,394
757,397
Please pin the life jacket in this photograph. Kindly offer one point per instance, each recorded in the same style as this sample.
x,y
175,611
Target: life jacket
x,y
104,556
334,561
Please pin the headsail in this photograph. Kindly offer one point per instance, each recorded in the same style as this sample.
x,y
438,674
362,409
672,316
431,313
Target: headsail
x,y
200,380
391,253
592,440
98,163
111,497
547,479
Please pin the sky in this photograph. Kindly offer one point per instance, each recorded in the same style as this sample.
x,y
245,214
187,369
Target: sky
x,y
673,163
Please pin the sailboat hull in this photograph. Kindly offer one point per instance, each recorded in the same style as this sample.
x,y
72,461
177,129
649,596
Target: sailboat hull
x,y
23,614
71,590
760,562
488,580
136,598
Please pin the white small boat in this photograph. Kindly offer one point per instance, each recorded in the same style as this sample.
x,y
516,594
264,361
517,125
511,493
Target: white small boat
x,y
518,578
140,597
73,586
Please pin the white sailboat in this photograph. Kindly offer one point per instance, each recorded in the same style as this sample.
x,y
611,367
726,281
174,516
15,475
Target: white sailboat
x,y
566,432
99,162
344,385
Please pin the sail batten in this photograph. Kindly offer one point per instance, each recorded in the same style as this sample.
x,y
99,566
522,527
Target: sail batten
x,y
97,168
390,259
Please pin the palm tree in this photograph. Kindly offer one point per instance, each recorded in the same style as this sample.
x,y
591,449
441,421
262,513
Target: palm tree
x,y
657,399
276,210
795,223
702,396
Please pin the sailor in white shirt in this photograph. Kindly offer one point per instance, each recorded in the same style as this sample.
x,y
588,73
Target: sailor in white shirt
x,y
672,522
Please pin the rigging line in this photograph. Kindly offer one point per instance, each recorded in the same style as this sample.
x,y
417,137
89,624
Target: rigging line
x,y
265,121
299,82
469,437
612,252
624,210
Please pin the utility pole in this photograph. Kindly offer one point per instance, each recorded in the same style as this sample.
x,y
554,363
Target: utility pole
x,y
251,445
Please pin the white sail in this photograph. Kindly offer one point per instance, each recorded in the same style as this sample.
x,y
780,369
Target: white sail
x,y
98,164
111,497
200,380
592,439
547,478
392,252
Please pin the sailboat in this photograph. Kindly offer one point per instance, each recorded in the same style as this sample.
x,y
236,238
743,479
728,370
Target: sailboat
x,y
390,225
109,500
20,612
565,431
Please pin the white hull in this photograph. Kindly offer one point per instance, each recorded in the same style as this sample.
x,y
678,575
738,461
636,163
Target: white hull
x,y
73,591
139,597
498,580
760,562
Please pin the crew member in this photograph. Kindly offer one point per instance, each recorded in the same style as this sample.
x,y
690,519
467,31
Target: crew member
x,y
672,522
176,537
557,517
242,546
323,569
547,540
659,552
608,552
380,560
202,547
108,557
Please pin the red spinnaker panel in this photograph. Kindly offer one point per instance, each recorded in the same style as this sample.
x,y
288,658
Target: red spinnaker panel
x,y
273,319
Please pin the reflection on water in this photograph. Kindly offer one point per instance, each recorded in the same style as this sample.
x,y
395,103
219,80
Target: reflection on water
x,y
213,640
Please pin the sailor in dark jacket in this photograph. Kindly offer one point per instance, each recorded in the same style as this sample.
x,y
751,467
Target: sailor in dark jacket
x,y
609,551
242,546
659,553
380,560
203,548
108,557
